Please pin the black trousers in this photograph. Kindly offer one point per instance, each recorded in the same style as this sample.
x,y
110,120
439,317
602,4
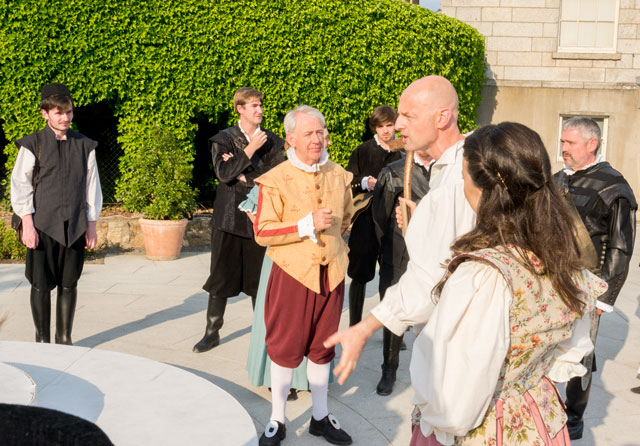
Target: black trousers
x,y
363,249
52,264
235,265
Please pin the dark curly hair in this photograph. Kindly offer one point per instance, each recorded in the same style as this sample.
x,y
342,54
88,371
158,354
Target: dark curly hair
x,y
520,205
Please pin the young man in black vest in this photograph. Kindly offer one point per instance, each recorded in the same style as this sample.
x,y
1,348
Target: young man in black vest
x,y
240,154
55,190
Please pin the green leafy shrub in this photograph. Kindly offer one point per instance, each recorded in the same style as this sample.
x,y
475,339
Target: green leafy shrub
x,y
163,62
10,246
156,179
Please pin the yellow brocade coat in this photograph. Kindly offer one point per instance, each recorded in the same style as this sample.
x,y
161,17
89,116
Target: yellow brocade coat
x,y
288,194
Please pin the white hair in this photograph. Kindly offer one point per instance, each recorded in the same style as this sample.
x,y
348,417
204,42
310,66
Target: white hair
x,y
290,117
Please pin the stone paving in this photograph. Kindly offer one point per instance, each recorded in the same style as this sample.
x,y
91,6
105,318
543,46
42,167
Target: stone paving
x,y
156,310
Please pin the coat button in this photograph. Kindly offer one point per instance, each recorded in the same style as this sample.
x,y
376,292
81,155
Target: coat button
x,y
319,200
322,244
315,174
324,258
317,187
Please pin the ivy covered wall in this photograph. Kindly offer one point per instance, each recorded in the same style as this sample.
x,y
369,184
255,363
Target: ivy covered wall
x,y
162,62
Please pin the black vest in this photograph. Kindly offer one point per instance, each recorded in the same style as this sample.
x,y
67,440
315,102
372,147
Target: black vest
x,y
61,184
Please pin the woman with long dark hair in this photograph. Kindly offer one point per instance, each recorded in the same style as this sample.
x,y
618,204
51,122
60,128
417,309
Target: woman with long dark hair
x,y
509,313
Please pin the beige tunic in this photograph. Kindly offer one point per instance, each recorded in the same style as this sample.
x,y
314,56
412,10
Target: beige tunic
x,y
287,194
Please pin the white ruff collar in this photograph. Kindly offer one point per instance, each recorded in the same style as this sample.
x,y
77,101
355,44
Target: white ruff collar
x,y
293,158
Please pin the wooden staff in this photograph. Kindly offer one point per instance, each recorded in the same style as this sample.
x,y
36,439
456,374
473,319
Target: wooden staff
x,y
395,146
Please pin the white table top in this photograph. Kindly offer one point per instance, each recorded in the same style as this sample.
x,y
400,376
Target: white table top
x,y
133,399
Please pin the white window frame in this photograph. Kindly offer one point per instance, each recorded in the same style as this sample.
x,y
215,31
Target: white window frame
x,y
581,49
595,116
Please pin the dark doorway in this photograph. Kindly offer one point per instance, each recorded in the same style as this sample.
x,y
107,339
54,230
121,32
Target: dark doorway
x,y
204,178
97,122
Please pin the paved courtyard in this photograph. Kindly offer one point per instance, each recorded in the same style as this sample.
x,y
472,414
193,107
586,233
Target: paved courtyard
x,y
156,310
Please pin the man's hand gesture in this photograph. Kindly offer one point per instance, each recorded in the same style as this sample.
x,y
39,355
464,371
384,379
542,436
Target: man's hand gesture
x,y
322,219
256,142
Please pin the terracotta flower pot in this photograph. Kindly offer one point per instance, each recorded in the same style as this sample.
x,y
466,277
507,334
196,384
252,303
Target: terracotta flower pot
x,y
163,238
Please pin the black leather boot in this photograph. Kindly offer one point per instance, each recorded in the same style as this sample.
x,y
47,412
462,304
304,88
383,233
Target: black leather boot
x,y
65,310
576,404
41,312
391,355
356,301
215,319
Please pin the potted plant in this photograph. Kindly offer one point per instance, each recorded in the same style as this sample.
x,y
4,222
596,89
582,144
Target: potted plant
x,y
156,181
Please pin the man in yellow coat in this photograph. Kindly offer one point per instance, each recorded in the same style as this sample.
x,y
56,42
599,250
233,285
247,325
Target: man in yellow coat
x,y
304,206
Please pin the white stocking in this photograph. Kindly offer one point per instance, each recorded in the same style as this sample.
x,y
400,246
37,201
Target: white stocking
x,y
281,378
318,376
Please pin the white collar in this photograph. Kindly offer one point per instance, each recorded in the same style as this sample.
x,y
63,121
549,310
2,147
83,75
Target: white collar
x,y
419,162
451,154
378,142
570,171
245,133
293,158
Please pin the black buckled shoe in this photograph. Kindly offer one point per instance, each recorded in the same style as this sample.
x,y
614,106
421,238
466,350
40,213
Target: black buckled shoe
x,y
329,428
273,434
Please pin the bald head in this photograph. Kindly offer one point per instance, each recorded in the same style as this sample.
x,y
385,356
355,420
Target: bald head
x,y
428,115
434,91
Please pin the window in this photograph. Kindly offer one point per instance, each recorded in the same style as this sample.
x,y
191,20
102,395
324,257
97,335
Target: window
x,y
588,26
603,123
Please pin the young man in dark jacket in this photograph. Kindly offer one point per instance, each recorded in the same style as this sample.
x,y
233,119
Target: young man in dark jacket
x,y
240,154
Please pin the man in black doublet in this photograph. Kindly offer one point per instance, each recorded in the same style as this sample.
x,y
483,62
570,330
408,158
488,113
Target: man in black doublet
x,y
55,190
607,207
393,249
240,154
365,163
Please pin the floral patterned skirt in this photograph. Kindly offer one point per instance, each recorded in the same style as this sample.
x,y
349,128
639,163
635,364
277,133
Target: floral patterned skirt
x,y
535,418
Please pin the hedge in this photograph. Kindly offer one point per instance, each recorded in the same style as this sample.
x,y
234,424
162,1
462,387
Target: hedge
x,y
162,62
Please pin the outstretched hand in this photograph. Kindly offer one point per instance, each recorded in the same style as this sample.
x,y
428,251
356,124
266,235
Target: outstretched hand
x,y
353,340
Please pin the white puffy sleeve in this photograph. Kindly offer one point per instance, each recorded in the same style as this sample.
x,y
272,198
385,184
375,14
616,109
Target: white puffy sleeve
x,y
566,360
22,183
457,358
441,216
94,191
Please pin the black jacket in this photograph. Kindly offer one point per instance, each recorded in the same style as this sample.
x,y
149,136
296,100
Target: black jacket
x,y
393,252
231,192
367,160
607,206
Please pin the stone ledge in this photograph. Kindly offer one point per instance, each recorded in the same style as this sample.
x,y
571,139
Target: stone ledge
x,y
123,232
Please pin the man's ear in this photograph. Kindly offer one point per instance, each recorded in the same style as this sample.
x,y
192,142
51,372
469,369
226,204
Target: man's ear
x,y
45,114
443,117
239,107
592,144
291,139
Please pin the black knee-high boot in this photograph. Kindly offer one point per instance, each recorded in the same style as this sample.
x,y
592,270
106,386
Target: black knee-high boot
x,y
41,312
65,310
356,301
576,404
391,353
215,319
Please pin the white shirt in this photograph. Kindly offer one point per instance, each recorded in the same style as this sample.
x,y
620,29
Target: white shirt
x,y
457,358
441,216
22,185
